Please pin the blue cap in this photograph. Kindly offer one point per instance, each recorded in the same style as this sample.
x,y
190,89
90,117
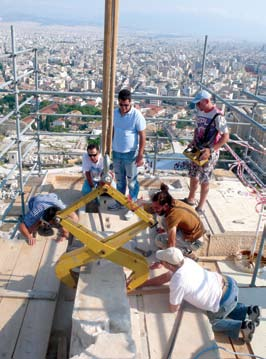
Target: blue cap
x,y
202,95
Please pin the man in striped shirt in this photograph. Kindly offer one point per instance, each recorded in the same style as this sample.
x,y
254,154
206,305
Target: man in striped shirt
x,y
43,208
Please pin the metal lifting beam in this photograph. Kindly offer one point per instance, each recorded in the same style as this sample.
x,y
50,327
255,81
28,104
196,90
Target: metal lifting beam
x,y
97,247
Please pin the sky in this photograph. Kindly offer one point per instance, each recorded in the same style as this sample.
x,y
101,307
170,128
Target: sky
x,y
228,19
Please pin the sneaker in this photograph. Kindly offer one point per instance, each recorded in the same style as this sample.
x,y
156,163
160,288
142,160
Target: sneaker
x,y
248,329
253,313
199,211
185,200
129,215
115,206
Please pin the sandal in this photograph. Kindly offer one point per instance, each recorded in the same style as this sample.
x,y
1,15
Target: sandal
x,y
199,211
185,200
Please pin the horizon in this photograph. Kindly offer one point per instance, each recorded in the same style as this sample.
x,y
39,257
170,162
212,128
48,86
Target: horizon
x,y
237,20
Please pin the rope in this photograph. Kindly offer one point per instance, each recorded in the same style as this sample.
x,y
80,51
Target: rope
x,y
216,347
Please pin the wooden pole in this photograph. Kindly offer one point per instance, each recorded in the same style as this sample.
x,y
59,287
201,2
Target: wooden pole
x,y
112,76
106,71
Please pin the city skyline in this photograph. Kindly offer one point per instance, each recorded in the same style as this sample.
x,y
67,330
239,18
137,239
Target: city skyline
x,y
239,20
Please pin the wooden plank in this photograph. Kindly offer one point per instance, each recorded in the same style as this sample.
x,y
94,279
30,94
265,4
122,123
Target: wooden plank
x,y
13,310
139,334
240,347
194,335
159,324
224,342
29,294
33,340
9,252
62,347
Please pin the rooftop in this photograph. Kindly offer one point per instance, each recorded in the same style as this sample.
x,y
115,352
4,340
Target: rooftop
x,y
98,319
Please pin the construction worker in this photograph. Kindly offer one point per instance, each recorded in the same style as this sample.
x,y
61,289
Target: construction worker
x,y
210,291
183,225
42,210
92,167
210,134
128,148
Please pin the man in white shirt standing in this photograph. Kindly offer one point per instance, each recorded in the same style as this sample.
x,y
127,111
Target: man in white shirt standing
x,y
128,147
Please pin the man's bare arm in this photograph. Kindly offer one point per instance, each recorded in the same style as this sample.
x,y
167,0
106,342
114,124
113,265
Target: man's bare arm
x,y
171,237
174,307
142,142
159,280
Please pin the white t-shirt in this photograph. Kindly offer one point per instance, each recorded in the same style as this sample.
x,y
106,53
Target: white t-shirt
x,y
197,286
95,169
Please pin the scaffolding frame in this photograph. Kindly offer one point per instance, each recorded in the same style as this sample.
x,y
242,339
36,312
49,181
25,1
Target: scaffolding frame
x,y
37,93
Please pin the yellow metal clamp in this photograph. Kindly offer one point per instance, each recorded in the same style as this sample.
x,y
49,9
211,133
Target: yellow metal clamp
x,y
97,247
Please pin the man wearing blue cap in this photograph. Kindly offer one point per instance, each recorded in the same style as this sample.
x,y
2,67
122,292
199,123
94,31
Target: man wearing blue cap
x,y
210,134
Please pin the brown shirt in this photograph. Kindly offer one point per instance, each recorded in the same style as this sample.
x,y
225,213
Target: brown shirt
x,y
185,218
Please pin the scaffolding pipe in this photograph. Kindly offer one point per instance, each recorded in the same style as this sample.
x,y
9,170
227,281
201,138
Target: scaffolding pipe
x,y
25,74
37,107
64,115
27,127
203,59
11,144
7,117
134,96
21,52
258,259
255,97
30,173
2,86
17,119
2,56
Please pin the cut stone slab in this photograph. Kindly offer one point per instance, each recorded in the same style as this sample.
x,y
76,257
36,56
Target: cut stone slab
x,y
256,296
234,206
111,346
243,279
101,306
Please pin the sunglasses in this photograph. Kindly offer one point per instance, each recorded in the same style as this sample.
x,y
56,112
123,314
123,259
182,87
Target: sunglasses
x,y
92,154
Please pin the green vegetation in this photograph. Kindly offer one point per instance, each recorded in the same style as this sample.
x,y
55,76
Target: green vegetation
x,y
96,141
161,133
85,110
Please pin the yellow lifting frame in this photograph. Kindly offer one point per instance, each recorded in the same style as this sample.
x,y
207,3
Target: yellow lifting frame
x,y
96,247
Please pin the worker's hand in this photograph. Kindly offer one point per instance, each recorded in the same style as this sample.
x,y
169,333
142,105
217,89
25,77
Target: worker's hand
x,y
160,230
139,160
205,154
31,240
156,265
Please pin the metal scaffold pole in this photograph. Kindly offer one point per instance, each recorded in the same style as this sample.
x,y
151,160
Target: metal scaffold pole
x,y
203,59
258,259
37,107
17,112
